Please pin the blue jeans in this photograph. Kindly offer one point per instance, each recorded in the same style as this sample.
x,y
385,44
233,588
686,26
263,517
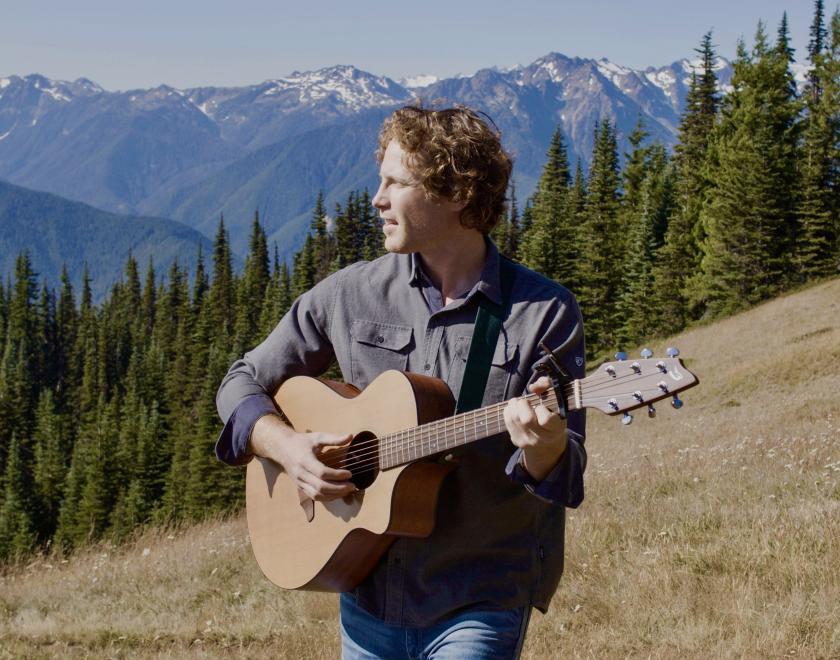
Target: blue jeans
x,y
476,633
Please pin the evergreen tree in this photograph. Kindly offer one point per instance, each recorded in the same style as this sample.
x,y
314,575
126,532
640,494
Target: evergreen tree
x,y
816,48
51,462
222,290
550,247
19,364
17,533
252,288
599,259
304,273
149,300
371,226
639,310
819,162
679,258
67,320
506,233
749,218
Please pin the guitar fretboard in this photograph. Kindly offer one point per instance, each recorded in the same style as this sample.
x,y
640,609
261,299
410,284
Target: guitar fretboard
x,y
442,435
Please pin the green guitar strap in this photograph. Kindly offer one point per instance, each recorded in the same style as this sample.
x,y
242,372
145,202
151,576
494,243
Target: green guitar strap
x,y
488,324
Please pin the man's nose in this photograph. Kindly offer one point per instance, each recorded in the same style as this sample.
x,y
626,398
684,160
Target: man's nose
x,y
378,200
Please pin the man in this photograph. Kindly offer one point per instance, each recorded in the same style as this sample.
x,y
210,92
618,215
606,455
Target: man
x,y
497,547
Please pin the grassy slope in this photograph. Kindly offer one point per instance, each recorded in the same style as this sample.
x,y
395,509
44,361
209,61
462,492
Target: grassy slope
x,y
712,531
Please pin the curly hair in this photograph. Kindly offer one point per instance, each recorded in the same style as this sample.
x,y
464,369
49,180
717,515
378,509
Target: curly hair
x,y
456,156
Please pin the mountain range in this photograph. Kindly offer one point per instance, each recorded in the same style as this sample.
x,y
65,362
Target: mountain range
x,y
57,233
194,155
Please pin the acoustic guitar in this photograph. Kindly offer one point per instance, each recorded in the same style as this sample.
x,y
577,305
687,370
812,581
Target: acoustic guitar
x,y
399,422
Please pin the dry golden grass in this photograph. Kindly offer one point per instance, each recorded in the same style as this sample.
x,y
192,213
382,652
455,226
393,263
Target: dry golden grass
x,y
709,532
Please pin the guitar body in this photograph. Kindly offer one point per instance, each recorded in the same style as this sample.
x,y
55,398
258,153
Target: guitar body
x,y
332,546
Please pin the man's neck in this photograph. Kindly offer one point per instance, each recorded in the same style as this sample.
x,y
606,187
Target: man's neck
x,y
456,266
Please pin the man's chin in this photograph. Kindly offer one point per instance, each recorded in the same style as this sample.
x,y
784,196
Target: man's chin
x,y
397,247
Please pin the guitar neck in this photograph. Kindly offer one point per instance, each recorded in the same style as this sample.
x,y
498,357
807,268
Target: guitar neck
x,y
413,444
615,388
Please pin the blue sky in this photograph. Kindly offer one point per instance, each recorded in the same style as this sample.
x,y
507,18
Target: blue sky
x,y
188,43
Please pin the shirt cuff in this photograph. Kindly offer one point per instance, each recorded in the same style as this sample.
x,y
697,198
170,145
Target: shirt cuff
x,y
232,445
564,484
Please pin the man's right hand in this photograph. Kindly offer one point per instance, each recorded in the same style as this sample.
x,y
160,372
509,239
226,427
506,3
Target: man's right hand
x,y
297,453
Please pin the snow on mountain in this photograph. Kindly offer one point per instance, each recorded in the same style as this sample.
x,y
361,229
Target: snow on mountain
x,y
422,80
356,89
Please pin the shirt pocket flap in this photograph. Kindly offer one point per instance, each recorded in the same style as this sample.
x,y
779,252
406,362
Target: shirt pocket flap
x,y
381,335
505,352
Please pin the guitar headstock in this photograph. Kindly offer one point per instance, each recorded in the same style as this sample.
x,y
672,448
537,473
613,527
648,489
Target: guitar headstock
x,y
621,386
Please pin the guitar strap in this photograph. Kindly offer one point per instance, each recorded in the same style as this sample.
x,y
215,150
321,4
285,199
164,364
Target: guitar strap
x,y
488,324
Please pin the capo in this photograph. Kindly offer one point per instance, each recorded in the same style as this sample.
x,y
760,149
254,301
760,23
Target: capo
x,y
552,368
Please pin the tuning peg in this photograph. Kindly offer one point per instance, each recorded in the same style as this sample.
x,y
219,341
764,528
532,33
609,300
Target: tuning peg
x,y
610,370
677,402
672,352
651,410
646,353
621,356
627,419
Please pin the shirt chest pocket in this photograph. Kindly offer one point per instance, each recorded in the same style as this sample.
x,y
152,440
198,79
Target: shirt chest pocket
x,y
502,368
377,347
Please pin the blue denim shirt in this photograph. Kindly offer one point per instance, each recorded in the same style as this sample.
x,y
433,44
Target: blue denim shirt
x,y
498,539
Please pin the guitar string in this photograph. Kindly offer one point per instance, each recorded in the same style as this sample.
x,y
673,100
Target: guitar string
x,y
586,389
401,441
404,442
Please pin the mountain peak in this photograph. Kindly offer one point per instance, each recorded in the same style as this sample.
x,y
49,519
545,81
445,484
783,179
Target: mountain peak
x,y
353,87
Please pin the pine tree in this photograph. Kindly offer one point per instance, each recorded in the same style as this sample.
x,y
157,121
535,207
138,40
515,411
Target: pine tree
x,y
639,309
251,289
222,290
67,321
371,228
679,258
749,217
17,533
97,490
51,444
19,364
549,247
599,261
816,48
322,245
819,161
149,304
303,275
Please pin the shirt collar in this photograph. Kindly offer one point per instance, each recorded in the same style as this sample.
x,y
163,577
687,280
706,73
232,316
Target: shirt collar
x,y
489,282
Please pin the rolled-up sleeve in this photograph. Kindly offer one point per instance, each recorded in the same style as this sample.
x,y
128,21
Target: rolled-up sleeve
x,y
564,484
299,345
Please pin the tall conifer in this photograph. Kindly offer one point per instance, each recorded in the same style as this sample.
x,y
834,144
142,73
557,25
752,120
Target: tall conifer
x,y
749,218
599,258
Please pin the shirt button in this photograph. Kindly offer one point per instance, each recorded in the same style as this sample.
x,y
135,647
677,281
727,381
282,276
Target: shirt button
x,y
380,339
427,367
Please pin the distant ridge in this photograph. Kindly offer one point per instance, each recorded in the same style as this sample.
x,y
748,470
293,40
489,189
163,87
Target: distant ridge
x,y
57,231
169,152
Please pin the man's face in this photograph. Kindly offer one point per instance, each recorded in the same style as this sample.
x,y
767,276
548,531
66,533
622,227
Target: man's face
x,y
412,222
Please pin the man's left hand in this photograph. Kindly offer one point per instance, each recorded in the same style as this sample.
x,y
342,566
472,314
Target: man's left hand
x,y
540,433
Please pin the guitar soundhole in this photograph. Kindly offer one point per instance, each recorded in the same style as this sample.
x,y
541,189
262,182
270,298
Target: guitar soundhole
x,y
363,459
